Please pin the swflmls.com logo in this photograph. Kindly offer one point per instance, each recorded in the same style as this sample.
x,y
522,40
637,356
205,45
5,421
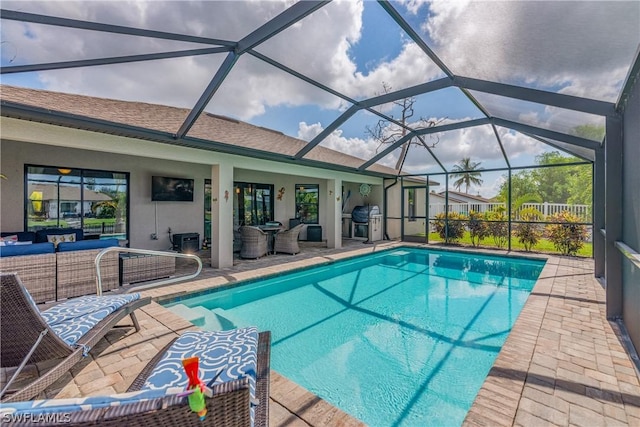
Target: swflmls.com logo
x,y
59,418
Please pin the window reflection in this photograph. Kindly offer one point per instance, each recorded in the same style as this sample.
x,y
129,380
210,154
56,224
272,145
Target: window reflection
x,y
61,197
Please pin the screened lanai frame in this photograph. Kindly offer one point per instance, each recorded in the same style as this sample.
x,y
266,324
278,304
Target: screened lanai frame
x,y
606,200
408,182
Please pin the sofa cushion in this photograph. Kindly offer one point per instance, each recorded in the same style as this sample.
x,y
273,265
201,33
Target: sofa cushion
x,y
23,236
86,245
41,235
34,249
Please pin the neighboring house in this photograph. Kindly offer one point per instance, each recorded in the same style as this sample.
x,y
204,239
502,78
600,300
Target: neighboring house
x,y
45,199
464,203
135,141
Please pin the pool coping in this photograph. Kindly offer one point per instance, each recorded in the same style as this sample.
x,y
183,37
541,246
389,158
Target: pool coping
x,y
514,393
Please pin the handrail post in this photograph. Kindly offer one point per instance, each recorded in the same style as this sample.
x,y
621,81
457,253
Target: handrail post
x,y
105,251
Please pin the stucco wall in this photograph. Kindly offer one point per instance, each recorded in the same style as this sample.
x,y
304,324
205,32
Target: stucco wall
x,y
182,217
631,214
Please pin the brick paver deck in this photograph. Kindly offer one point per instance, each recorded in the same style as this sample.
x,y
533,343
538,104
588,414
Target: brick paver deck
x,y
562,364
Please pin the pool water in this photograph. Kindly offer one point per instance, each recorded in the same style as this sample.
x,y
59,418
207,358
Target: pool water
x,y
402,337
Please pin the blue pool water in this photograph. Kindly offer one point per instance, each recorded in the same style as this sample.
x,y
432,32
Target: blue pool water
x,y
403,337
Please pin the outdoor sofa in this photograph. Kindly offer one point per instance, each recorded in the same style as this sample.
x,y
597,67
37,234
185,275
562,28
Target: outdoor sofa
x,y
51,272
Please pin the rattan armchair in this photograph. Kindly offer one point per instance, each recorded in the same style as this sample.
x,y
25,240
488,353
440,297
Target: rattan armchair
x,y
287,241
27,337
255,243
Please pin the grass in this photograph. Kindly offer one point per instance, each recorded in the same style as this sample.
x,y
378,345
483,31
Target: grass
x,y
543,245
63,223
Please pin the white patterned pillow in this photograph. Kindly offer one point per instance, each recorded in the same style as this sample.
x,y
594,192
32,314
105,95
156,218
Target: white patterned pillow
x,y
9,240
59,238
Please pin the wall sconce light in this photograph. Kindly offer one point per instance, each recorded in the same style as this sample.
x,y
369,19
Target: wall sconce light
x,y
226,195
280,193
331,192
237,190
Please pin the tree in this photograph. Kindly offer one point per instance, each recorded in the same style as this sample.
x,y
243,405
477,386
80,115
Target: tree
x,y
467,172
386,132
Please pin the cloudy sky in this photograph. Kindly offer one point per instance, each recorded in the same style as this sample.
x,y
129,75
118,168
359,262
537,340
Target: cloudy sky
x,y
581,48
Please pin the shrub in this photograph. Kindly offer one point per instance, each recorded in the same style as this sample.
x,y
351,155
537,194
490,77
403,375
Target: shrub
x,y
528,234
478,229
567,236
499,231
455,229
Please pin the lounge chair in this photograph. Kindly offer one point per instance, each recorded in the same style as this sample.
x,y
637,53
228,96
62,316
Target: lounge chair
x,y
255,242
287,241
154,397
64,333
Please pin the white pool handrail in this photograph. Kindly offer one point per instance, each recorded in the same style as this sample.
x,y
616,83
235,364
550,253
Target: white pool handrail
x,y
146,252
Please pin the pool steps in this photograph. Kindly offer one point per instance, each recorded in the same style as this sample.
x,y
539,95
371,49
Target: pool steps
x,y
213,320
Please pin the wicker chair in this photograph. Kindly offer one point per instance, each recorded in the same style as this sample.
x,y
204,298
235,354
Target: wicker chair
x,y
287,241
255,242
38,273
26,337
76,270
230,405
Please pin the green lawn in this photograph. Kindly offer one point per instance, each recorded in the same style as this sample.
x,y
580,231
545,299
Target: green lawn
x,y
63,223
543,245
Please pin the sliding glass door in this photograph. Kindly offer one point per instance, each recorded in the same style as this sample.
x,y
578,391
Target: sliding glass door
x,y
253,203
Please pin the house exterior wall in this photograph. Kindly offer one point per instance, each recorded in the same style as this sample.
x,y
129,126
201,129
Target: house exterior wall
x,y
631,214
182,217
26,142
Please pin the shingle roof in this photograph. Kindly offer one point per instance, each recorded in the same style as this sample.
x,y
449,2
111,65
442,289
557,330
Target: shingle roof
x,y
168,119
66,192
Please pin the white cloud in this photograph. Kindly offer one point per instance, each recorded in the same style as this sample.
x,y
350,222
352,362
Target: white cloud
x,y
569,47
572,47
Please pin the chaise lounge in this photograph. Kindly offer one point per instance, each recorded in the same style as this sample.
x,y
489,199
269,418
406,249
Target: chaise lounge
x,y
237,362
64,333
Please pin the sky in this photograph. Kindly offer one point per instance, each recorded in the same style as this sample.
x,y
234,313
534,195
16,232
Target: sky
x,y
581,48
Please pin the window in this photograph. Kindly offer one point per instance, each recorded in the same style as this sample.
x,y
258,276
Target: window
x,y
252,204
96,201
307,203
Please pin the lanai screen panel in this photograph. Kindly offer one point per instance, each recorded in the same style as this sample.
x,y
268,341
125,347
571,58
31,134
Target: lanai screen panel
x,y
355,138
543,116
263,95
443,106
328,47
576,48
192,18
478,143
524,150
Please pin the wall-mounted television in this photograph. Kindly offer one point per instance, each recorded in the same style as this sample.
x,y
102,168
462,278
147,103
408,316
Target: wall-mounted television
x,y
165,189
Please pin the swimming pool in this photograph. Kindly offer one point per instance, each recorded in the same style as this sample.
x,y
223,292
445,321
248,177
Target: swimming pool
x,y
400,337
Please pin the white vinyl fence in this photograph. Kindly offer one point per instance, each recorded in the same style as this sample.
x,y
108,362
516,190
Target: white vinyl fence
x,y
581,211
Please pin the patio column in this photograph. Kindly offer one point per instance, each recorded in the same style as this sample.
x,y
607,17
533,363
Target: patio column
x,y
613,216
221,216
334,213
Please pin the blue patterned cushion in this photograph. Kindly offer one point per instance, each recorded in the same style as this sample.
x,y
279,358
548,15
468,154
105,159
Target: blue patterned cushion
x,y
233,354
72,319
65,406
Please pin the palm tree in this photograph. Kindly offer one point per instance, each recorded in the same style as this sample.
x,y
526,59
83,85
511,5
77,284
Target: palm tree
x,y
467,173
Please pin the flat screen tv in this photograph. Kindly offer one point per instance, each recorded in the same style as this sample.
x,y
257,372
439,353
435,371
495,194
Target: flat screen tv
x,y
165,189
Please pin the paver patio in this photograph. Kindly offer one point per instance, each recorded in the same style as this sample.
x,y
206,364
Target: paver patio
x,y
563,363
